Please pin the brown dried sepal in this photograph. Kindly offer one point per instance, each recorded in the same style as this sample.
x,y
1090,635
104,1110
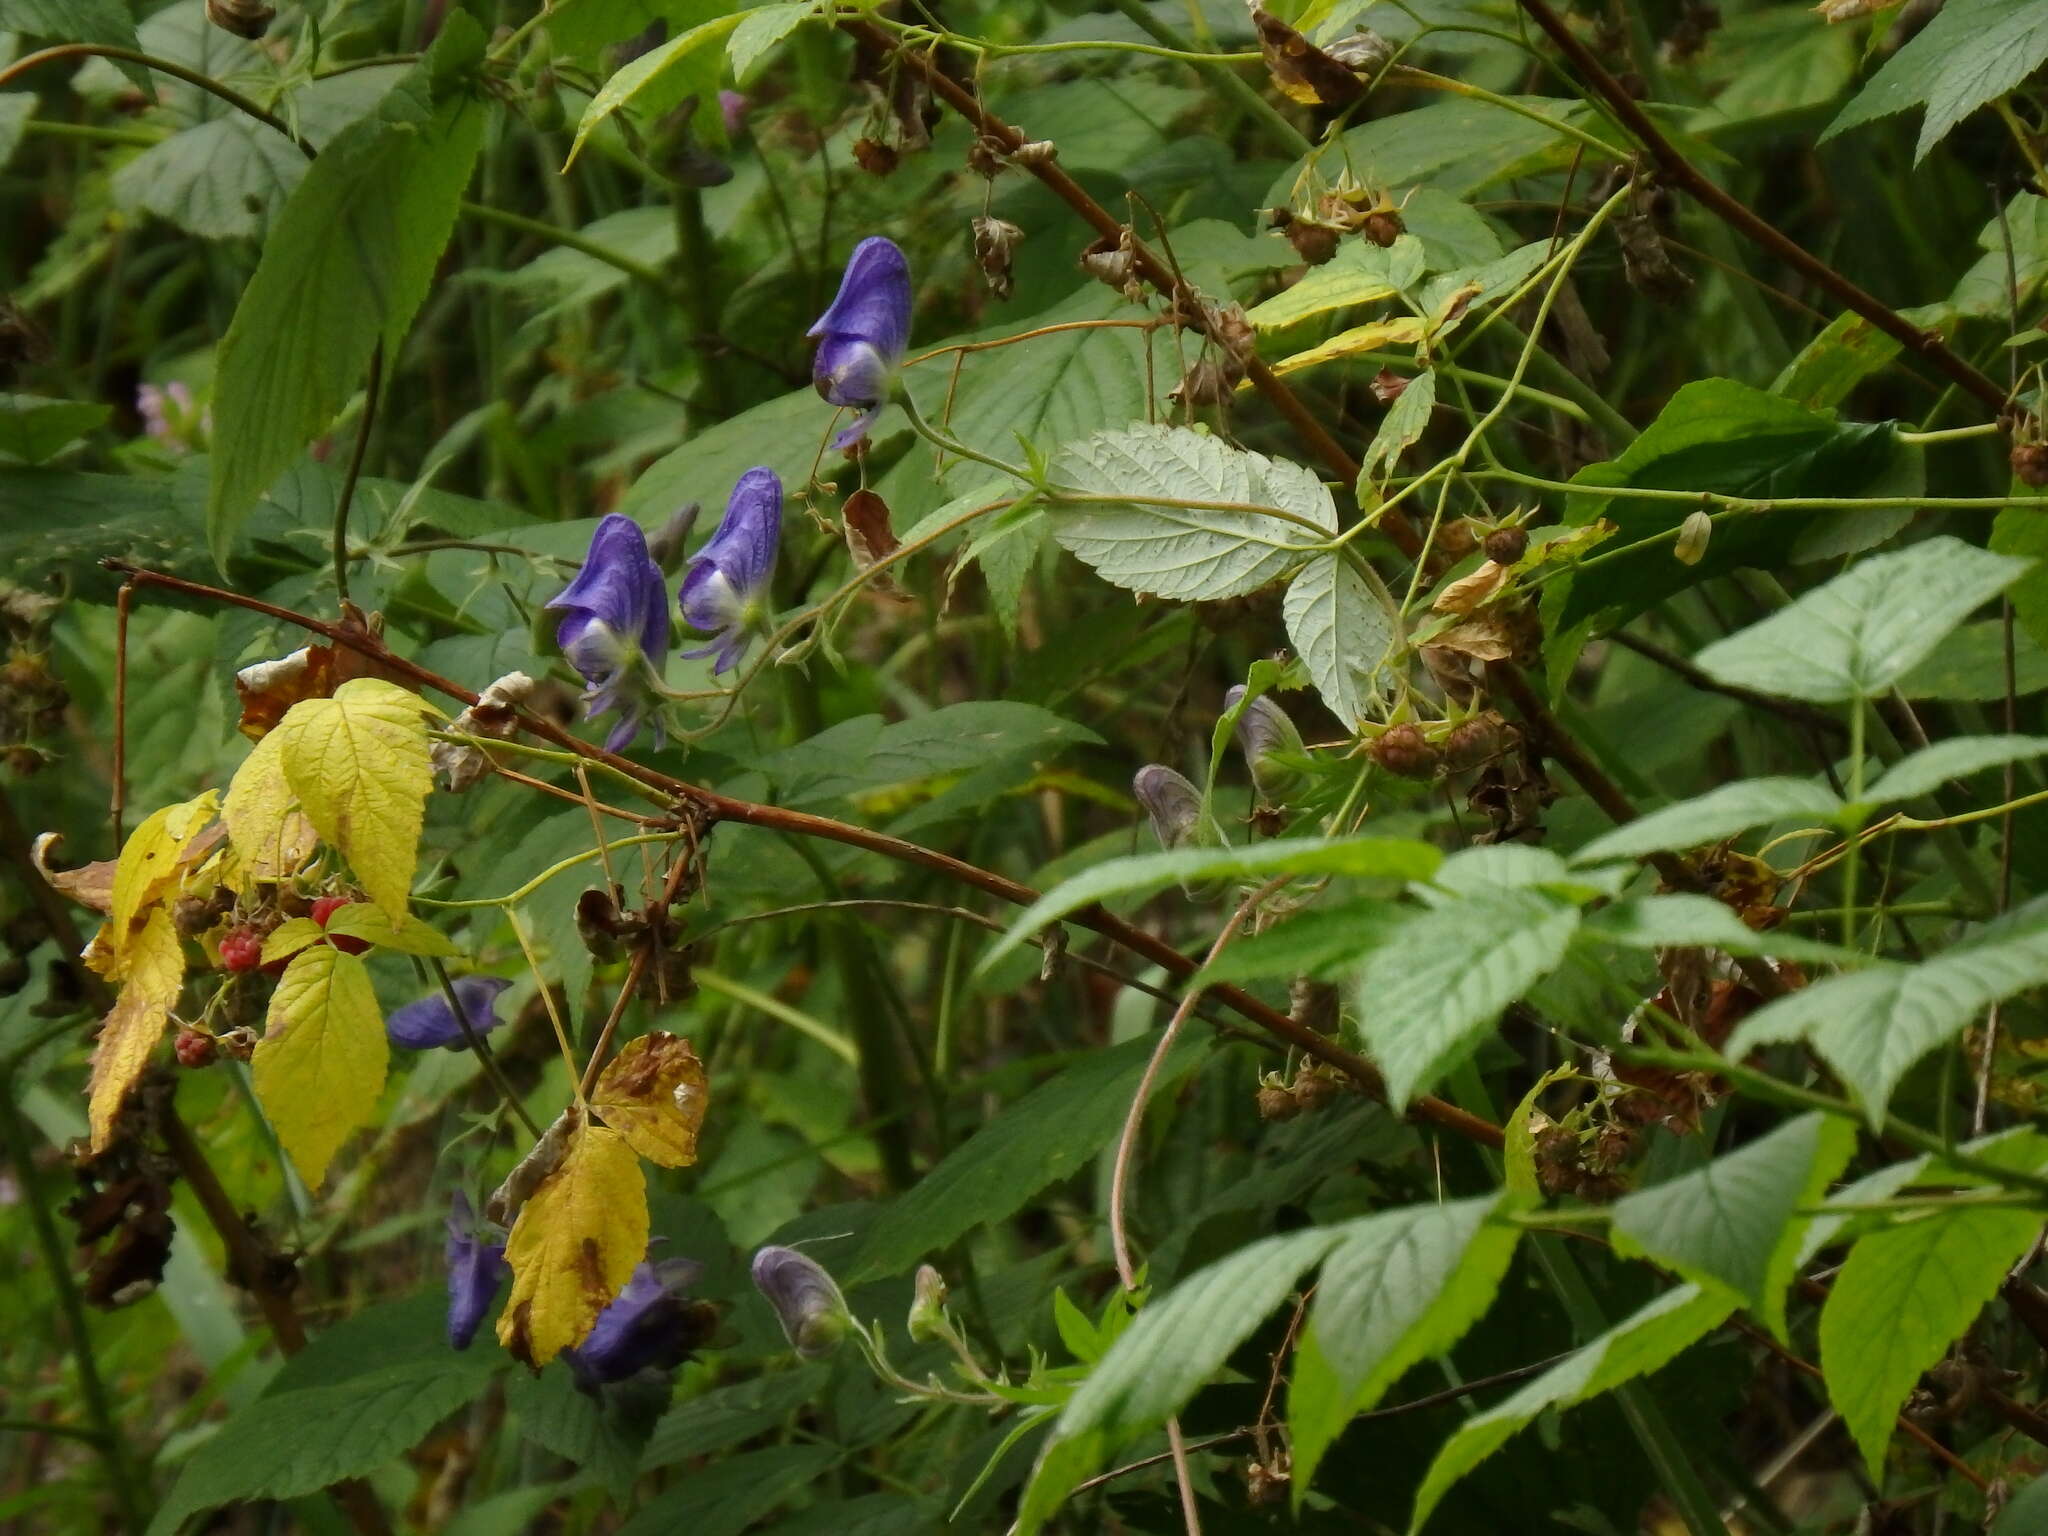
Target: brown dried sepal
x,y
874,156
995,245
1302,71
654,1094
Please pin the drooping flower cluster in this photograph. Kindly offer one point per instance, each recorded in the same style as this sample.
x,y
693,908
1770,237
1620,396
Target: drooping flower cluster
x,y
862,337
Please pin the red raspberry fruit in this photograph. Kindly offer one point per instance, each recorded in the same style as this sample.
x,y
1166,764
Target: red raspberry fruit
x,y
194,1049
241,950
325,908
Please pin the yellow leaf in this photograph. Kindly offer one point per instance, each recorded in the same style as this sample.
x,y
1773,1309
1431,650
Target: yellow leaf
x,y
654,1093
264,821
319,1068
575,1244
409,936
155,972
358,764
1400,331
152,863
289,937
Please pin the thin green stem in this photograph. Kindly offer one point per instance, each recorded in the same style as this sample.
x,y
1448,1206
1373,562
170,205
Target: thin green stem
x,y
952,445
739,992
545,875
1858,710
480,1048
568,239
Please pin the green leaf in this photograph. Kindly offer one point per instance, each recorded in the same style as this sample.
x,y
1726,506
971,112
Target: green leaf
x,y
1733,1224
1634,1347
33,429
1849,350
1404,423
1902,1297
1360,273
602,1434
2026,1513
1188,553
1043,1137
1931,767
1972,53
1320,942
1856,635
761,30
1344,629
723,1499
1177,1343
865,754
705,468
79,21
16,109
288,1444
1713,435
725,1416
1681,920
684,66
1970,663
346,266
1873,1025
1391,858
1402,1286
220,180
1426,998
1718,814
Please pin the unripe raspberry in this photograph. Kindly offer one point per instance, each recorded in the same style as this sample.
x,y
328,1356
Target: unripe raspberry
x,y
241,950
1402,749
2030,462
194,1049
1504,546
325,908
1276,1103
1312,1090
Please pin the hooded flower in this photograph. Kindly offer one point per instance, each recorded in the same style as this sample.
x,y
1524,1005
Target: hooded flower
x,y
615,616
475,1271
1263,730
726,581
651,1323
430,1022
1173,804
863,334
806,1300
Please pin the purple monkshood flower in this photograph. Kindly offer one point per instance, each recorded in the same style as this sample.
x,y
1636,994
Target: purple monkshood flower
x,y
732,107
806,1300
615,617
726,581
430,1022
863,334
476,1269
649,1323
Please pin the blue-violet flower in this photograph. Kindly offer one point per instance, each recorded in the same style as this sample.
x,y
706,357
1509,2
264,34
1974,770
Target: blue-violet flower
x,y
476,1269
651,1323
726,581
615,617
422,1025
864,333
806,1300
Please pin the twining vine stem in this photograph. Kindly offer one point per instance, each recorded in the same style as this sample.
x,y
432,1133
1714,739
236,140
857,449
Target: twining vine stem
x,y
714,807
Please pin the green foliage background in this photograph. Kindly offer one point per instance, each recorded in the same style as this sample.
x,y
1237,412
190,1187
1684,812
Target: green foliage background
x,y
1610,1101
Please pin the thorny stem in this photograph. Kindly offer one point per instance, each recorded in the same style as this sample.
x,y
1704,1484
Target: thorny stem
x,y
191,77
715,807
635,970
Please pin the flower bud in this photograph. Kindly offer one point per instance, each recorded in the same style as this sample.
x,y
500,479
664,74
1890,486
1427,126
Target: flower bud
x,y
1262,731
1173,804
1693,534
244,18
806,1300
928,1306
